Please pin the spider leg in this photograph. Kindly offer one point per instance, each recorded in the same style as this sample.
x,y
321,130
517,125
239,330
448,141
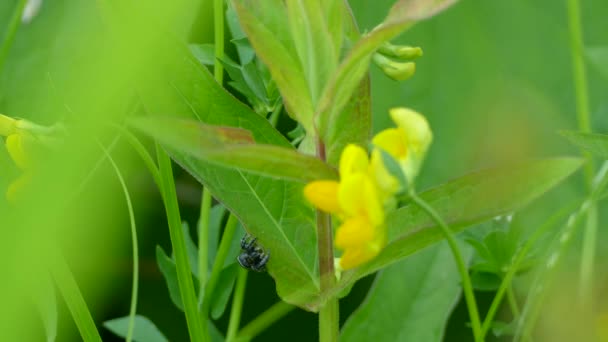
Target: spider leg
x,y
248,243
260,266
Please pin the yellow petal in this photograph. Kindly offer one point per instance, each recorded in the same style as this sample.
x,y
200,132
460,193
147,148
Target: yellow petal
x,y
358,196
392,140
354,232
415,126
7,125
353,160
323,194
14,146
354,257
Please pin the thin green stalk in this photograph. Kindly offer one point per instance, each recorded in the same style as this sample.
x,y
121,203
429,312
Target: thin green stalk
x,y
73,298
135,281
218,264
203,241
264,320
218,28
237,305
513,302
519,258
206,200
329,313
275,115
467,286
11,31
584,124
143,153
196,329
329,316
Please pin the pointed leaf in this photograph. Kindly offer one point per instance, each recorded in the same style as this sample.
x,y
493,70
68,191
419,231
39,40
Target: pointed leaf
x,y
423,289
267,28
167,268
144,330
463,202
228,147
222,292
592,142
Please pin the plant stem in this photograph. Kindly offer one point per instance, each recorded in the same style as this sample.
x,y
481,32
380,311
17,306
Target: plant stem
x,y
143,153
584,125
135,281
203,241
328,321
206,199
218,28
73,298
513,302
237,305
275,115
11,31
329,313
264,320
467,286
218,264
182,264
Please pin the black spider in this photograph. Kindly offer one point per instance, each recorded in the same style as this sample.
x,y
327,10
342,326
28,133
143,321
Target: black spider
x,y
253,257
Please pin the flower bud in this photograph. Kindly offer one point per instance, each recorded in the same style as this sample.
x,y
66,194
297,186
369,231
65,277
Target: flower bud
x,y
398,71
400,51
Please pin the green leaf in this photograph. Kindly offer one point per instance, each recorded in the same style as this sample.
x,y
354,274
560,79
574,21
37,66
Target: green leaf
x,y
352,70
45,300
229,147
267,27
463,202
273,210
204,53
167,268
598,57
484,281
223,289
592,142
316,51
215,226
191,249
144,330
409,301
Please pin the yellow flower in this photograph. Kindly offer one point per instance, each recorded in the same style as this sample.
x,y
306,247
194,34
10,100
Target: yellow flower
x,y
356,202
407,144
367,188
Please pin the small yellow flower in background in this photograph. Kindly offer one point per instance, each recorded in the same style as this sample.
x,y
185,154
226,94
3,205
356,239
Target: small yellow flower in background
x,y
407,144
367,189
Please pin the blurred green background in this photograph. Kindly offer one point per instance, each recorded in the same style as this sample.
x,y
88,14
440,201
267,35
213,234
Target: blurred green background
x,y
495,82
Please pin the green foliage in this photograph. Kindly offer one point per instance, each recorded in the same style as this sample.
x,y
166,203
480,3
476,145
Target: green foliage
x,y
496,251
409,301
598,57
592,142
145,330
